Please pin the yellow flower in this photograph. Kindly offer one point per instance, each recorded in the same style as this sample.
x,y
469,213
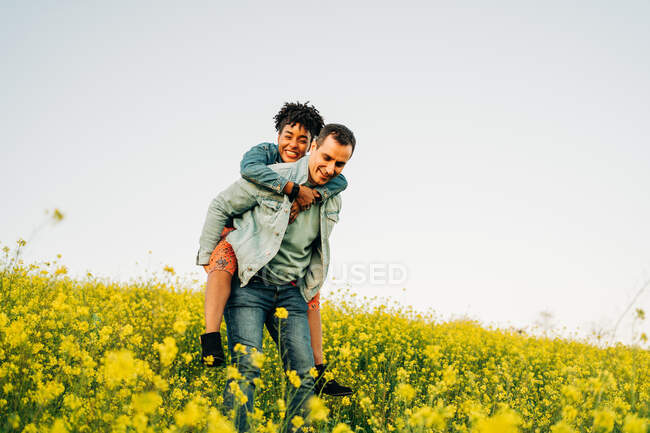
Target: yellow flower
x,y
449,376
341,428
237,392
217,423
366,403
58,427
167,350
72,401
257,415
180,326
569,413
281,313
604,420
281,407
169,269
257,359
14,420
634,424
146,402
57,215
15,333
504,421
317,409
270,427
233,373
405,392
240,348
294,379
297,421
160,383
313,372
191,415
571,393
61,270
427,418
562,427
126,331
640,314
47,392
119,366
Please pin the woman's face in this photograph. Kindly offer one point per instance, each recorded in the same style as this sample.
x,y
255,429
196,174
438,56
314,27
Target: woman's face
x,y
293,142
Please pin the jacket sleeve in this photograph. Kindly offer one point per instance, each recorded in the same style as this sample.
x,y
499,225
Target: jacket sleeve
x,y
254,168
237,199
333,187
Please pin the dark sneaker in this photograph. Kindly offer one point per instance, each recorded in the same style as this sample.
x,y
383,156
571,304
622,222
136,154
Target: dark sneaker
x,y
211,347
329,387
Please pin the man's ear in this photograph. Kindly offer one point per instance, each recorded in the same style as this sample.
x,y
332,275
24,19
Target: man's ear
x,y
313,146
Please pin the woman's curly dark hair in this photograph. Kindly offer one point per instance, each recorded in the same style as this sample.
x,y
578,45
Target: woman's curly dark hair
x,y
306,115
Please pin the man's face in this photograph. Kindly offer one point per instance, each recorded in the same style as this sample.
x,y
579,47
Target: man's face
x,y
293,142
327,161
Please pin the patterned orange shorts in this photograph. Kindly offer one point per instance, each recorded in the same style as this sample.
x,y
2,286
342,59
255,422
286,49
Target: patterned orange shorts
x,y
223,258
314,304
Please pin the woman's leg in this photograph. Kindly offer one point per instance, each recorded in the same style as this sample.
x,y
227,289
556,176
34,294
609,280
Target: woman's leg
x,y
322,385
217,292
316,333
222,266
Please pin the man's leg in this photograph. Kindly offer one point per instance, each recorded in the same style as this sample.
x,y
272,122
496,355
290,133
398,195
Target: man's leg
x,y
245,314
294,344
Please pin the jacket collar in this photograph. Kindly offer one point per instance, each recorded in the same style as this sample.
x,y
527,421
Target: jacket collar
x,y
301,173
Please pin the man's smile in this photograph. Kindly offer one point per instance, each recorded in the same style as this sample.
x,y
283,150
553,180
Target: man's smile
x,y
322,174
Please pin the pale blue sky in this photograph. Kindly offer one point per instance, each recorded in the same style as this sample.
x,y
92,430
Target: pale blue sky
x,y
503,151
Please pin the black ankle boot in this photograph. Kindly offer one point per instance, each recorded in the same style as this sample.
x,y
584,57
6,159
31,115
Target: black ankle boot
x,y
330,387
211,346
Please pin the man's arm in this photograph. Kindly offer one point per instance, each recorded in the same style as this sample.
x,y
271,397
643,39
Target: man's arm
x,y
254,167
235,200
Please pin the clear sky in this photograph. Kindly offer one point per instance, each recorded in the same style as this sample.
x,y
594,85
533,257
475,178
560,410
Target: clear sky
x,y
503,153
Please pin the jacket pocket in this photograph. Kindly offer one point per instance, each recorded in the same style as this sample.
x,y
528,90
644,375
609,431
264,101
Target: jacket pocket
x,y
271,205
331,220
333,217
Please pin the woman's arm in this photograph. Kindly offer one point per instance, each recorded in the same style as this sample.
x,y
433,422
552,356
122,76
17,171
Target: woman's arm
x,y
254,167
333,187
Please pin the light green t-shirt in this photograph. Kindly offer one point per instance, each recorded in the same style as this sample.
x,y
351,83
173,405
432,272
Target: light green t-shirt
x,y
291,261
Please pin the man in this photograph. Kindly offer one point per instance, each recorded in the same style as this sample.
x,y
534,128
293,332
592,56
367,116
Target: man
x,y
280,265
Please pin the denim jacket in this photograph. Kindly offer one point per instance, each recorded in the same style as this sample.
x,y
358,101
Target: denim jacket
x,y
261,218
254,167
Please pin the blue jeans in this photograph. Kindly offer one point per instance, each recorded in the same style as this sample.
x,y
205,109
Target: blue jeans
x,y
247,311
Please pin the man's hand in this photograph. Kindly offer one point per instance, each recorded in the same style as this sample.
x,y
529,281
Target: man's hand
x,y
306,197
295,210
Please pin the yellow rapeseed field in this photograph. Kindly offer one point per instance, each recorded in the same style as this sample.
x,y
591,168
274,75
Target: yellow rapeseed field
x,y
94,356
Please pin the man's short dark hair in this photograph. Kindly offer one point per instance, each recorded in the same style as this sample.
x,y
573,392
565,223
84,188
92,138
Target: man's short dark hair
x,y
340,133
304,114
